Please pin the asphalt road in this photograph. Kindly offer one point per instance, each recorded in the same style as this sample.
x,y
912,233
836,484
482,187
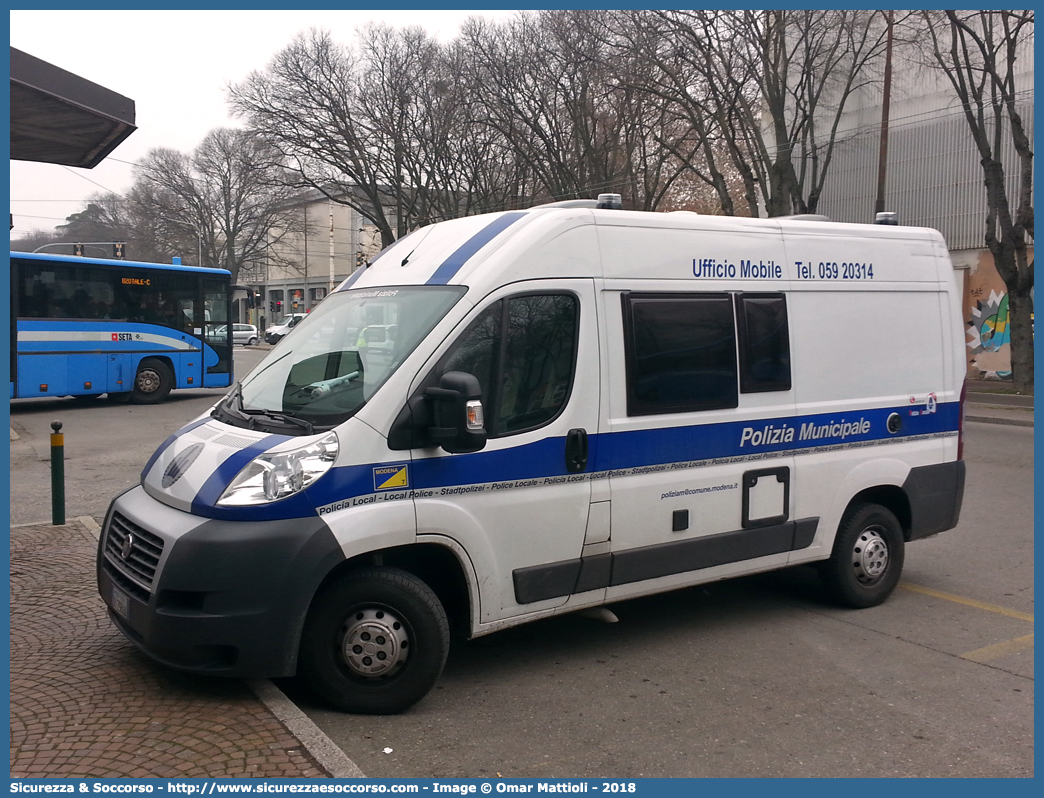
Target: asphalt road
x,y
753,677
106,445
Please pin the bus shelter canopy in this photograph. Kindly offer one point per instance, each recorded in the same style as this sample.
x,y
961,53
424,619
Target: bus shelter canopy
x,y
58,117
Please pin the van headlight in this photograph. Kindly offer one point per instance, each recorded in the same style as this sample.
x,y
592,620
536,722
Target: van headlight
x,y
275,475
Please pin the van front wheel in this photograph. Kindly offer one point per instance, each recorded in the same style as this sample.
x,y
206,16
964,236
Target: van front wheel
x,y
868,557
375,641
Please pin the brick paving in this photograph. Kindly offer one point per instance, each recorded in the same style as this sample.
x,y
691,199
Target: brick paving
x,y
85,703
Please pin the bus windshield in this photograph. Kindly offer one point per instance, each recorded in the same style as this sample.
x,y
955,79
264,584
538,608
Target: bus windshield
x,y
336,358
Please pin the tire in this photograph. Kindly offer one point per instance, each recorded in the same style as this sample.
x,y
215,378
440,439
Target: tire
x,y
252,342
868,557
374,642
152,383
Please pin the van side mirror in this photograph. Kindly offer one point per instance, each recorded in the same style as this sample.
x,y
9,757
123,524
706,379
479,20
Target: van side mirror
x,y
458,424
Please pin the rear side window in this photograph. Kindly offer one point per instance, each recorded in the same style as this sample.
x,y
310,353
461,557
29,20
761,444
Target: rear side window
x,y
680,351
764,342
522,350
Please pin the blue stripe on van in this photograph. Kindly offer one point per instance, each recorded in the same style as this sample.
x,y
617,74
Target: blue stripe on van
x,y
454,262
767,436
541,459
607,453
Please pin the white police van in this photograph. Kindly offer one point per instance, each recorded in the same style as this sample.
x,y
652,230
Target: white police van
x,y
579,405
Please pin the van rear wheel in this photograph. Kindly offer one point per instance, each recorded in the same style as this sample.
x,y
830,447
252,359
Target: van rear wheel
x,y
375,641
868,557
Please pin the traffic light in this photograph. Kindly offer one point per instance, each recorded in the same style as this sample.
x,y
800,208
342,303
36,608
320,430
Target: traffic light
x,y
117,250
279,305
271,306
78,250
359,260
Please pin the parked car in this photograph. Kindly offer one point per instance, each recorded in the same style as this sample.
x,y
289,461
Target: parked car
x,y
277,331
245,334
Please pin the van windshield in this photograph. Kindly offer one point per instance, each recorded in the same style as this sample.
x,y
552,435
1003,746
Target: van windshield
x,y
336,358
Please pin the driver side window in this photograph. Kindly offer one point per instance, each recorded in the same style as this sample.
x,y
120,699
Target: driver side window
x,y
522,350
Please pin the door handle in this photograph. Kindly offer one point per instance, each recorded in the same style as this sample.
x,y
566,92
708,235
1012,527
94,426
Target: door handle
x,y
576,450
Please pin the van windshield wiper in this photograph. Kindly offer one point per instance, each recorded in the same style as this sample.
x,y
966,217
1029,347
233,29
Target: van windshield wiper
x,y
275,415
233,405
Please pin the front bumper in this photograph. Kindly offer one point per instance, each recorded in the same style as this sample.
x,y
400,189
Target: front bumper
x,y
213,596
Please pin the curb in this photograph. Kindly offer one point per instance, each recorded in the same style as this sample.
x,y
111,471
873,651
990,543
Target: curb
x,y
1012,422
315,741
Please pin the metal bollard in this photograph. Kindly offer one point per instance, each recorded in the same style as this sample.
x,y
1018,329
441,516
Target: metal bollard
x,y
57,474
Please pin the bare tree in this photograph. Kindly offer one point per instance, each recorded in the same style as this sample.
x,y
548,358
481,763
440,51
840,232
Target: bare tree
x,y
978,52
565,94
548,86
657,60
106,218
103,220
465,166
34,240
411,95
653,145
560,104
769,88
225,205
307,104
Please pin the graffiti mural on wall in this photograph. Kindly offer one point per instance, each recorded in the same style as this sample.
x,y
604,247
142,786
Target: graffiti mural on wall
x,y
990,338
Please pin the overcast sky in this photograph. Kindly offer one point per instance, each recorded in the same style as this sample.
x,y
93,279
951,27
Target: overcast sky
x,y
175,65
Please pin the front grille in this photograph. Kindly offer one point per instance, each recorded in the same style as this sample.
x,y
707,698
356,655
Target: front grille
x,y
128,586
143,554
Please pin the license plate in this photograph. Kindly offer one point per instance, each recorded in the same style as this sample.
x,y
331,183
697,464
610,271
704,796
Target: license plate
x,y
120,603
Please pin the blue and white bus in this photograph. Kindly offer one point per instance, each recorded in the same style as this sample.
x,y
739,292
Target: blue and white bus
x,y
87,326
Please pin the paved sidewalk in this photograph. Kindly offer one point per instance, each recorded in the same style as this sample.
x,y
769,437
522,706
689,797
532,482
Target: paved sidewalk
x,y
997,408
85,703
998,415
